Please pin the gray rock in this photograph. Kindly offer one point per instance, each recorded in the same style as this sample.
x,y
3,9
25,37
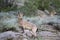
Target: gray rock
x,y
41,13
9,35
47,28
25,39
46,35
28,33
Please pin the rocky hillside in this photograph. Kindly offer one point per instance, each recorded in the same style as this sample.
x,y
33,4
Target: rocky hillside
x,y
48,27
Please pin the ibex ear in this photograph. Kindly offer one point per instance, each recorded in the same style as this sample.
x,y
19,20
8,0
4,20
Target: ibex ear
x,y
20,14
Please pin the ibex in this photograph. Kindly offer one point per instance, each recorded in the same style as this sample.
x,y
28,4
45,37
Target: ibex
x,y
52,13
26,24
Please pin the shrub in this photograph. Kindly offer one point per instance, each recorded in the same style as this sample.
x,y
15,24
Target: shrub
x,y
29,7
8,22
7,6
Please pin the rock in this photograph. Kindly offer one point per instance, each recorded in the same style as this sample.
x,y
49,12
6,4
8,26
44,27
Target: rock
x,y
24,35
47,28
28,33
19,3
47,12
57,26
24,38
46,35
9,35
58,33
41,13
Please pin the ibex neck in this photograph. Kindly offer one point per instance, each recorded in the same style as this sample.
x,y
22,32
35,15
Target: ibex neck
x,y
20,21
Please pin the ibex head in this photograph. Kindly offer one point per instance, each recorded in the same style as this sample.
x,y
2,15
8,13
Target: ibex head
x,y
53,12
20,15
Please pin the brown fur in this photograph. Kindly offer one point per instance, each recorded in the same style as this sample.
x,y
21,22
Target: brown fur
x,y
27,25
52,13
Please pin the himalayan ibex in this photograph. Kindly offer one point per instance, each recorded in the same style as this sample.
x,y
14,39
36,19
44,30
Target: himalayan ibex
x,y
52,13
27,25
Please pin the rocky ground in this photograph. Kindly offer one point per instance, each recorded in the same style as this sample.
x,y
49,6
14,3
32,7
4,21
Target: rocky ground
x,y
46,32
48,28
